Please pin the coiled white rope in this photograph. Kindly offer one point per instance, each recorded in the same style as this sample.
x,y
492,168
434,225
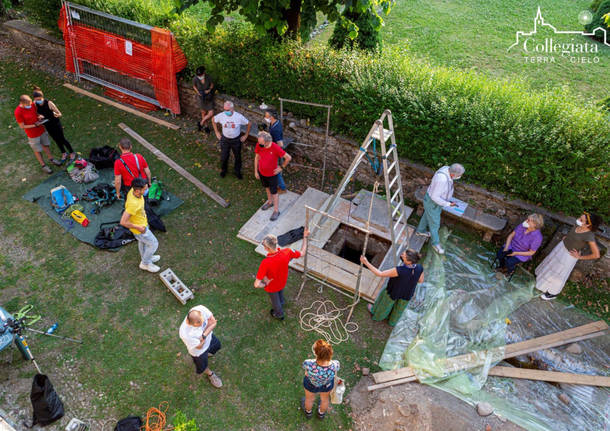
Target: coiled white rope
x,y
325,318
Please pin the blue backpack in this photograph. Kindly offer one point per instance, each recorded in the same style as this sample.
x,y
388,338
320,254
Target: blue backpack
x,y
61,199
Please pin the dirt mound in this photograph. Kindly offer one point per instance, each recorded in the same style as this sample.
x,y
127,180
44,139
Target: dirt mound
x,y
416,407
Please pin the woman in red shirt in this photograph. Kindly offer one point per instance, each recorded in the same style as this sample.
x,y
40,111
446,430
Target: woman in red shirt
x,y
28,119
266,168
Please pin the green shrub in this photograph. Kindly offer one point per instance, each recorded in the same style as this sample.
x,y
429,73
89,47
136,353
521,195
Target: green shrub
x,y
45,12
368,37
599,21
544,147
595,5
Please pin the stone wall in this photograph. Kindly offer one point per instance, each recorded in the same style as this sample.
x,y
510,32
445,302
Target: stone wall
x,y
339,151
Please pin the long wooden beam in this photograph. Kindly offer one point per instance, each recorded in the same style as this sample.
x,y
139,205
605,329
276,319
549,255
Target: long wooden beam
x,y
550,376
121,106
208,191
472,360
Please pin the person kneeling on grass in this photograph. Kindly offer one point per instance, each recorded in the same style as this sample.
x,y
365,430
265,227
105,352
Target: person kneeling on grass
x,y
393,299
521,244
319,378
555,269
134,218
196,333
266,168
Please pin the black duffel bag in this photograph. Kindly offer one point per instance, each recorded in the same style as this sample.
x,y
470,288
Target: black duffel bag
x,y
103,157
113,237
130,423
46,403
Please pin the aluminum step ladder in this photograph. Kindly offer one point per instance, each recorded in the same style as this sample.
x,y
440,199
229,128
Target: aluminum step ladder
x,y
392,180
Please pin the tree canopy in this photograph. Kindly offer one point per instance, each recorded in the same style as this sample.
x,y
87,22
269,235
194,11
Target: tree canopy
x,y
296,17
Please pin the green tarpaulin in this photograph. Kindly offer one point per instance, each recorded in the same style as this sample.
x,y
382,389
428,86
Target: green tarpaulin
x,y
41,195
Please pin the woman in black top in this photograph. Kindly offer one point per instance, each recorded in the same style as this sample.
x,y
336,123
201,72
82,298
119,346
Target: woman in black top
x,y
51,114
393,299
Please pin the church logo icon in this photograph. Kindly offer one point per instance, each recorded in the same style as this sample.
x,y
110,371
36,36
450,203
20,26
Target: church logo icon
x,y
544,43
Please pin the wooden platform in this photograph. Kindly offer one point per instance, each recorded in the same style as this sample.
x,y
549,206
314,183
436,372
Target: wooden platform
x,y
379,215
325,265
259,224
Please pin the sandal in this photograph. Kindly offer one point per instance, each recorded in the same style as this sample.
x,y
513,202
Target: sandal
x,y
308,414
321,415
266,206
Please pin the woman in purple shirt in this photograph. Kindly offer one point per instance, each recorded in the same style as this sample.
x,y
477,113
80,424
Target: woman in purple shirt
x,y
521,244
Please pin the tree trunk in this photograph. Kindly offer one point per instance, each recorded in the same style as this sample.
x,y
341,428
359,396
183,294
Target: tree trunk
x,y
292,15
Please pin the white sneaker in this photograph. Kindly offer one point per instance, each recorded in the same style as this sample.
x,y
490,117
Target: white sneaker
x,y
438,249
156,258
151,267
426,234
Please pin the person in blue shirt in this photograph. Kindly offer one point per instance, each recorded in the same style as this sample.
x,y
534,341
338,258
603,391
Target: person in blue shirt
x,y
276,131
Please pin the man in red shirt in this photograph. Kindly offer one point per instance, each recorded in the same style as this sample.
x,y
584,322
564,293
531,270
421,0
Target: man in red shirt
x,y
266,168
28,119
273,271
127,167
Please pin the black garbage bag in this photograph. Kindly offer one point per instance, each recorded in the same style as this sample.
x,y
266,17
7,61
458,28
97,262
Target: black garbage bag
x,y
130,423
103,157
46,403
112,237
154,221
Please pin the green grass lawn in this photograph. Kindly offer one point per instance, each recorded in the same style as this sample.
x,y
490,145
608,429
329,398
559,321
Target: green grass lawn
x,y
474,34
126,317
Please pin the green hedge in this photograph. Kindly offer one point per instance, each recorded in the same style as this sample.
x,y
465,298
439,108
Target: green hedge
x,y
544,147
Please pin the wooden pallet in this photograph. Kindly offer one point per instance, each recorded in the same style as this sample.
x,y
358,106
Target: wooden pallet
x,y
176,286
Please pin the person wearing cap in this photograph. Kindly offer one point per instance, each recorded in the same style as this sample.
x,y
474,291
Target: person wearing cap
x,y
196,332
29,120
438,195
230,139
273,271
52,115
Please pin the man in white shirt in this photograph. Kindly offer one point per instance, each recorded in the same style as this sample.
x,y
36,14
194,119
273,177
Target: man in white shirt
x,y
438,195
196,333
230,140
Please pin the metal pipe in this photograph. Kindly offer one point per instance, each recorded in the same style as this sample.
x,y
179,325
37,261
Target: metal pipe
x,y
306,253
366,241
53,335
325,148
304,103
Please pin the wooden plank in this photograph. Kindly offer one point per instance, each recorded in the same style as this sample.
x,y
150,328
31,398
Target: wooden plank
x,y
550,376
379,216
208,191
122,107
391,383
259,225
470,360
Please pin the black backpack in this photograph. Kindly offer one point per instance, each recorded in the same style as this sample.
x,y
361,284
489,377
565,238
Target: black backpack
x,y
113,237
46,403
130,423
103,157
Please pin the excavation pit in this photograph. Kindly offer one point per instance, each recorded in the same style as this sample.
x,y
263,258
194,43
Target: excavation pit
x,y
348,242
